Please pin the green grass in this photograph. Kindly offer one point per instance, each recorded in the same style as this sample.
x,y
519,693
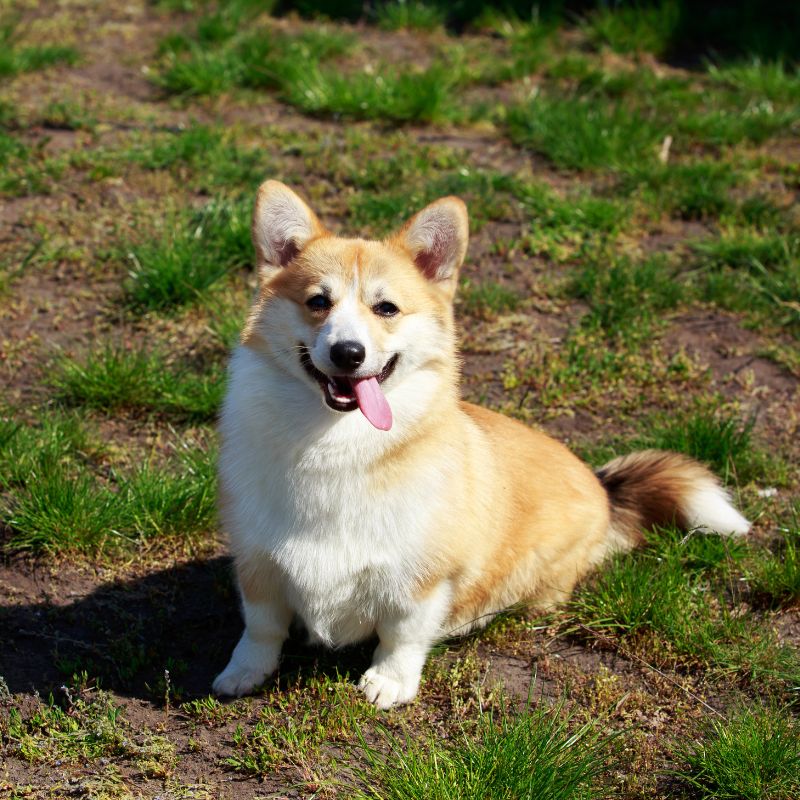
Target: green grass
x,y
770,80
487,299
721,439
70,507
541,752
774,575
668,601
409,14
691,191
488,195
746,270
263,59
196,253
57,492
587,118
626,298
635,28
207,157
113,377
15,58
754,755
404,95
584,133
57,438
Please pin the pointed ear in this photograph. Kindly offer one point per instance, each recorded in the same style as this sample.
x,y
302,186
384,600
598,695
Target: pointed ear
x,y
436,238
282,225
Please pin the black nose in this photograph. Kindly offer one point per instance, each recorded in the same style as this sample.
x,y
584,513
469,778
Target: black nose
x,y
348,355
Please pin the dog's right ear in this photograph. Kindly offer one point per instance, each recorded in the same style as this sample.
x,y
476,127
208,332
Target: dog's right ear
x,y
282,225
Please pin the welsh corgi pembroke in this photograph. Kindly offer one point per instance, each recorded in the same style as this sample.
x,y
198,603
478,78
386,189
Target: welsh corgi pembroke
x,y
362,497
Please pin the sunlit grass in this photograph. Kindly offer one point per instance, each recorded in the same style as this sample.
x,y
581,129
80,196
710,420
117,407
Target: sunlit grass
x,y
540,752
754,755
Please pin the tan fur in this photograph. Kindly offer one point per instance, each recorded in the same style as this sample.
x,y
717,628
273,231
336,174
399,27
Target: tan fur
x,y
519,517
526,518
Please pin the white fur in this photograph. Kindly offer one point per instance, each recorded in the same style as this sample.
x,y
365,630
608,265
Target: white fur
x,y
302,505
709,509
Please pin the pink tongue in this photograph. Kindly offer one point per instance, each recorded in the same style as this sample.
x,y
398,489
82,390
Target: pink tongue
x,y
372,402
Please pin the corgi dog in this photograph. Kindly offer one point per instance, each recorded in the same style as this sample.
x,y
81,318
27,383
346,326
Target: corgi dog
x,y
362,497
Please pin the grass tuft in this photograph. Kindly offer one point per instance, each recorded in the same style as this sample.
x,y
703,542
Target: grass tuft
x,y
488,299
774,575
112,378
584,133
750,271
635,28
409,15
192,257
753,756
399,96
625,298
668,601
539,753
62,500
722,440
15,59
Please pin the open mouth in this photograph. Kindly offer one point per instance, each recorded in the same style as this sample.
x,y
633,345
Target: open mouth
x,y
340,390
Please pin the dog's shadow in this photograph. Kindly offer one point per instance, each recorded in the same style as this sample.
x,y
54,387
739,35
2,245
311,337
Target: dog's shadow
x,y
162,636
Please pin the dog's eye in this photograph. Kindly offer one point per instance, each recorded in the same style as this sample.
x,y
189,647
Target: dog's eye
x,y
385,309
318,303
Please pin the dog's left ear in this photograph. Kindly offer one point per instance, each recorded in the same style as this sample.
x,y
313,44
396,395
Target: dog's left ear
x,y
436,238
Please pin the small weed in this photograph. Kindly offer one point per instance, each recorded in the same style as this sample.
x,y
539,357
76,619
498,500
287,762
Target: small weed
x,y
539,753
66,115
752,756
87,729
211,712
298,728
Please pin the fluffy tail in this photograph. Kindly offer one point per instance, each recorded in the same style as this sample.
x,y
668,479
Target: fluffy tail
x,y
654,487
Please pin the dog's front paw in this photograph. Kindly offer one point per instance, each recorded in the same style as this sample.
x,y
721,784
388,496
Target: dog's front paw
x,y
236,680
386,691
251,663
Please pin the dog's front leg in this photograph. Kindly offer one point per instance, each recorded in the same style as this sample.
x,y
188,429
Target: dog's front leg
x,y
405,640
255,657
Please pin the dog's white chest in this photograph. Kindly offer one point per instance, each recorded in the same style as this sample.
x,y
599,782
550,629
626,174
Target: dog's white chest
x,y
349,545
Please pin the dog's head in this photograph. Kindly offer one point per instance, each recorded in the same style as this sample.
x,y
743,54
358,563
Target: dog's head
x,y
362,324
